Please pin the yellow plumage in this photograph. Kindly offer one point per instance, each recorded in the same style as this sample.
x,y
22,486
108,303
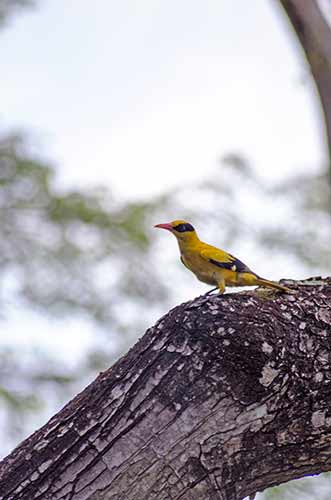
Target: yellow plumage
x,y
212,265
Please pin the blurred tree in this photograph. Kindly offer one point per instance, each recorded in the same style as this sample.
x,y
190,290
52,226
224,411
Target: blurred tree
x,y
86,252
67,253
314,33
8,7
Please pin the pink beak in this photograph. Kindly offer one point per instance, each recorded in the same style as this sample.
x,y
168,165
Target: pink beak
x,y
165,226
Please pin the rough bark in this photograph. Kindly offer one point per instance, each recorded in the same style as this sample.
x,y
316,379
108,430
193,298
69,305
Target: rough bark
x,y
314,34
224,396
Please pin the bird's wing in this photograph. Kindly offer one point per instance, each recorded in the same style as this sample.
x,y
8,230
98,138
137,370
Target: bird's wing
x,y
224,260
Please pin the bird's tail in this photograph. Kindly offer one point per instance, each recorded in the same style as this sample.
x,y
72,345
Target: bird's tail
x,y
272,284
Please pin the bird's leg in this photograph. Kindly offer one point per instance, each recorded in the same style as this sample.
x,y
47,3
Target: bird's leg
x,y
221,287
212,290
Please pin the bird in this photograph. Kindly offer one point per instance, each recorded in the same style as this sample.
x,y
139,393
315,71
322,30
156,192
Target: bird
x,y
212,265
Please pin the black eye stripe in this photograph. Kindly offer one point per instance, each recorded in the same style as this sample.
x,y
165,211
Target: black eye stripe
x,y
182,228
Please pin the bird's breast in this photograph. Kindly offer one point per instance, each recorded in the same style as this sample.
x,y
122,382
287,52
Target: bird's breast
x,y
202,269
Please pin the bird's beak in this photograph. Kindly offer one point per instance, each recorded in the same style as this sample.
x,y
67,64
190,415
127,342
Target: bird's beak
x,y
164,226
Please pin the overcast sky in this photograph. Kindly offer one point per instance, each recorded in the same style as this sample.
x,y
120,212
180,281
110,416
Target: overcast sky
x,y
146,95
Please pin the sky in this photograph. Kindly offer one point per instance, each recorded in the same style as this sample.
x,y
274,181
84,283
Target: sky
x,y
144,96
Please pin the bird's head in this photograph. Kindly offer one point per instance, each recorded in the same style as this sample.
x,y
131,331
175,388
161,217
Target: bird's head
x,y
183,230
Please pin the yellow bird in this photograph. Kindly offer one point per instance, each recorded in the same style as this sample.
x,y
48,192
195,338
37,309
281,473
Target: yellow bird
x,y
212,265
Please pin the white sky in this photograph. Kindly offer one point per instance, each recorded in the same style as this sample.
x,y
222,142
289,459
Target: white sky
x,y
146,95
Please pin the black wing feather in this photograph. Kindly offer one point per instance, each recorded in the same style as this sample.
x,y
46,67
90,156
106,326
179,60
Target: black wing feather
x,y
235,265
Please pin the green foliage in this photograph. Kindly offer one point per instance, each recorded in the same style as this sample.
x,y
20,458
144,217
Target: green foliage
x,y
55,241
307,232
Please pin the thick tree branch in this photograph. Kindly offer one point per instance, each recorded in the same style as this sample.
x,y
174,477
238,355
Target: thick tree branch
x,y
314,34
224,396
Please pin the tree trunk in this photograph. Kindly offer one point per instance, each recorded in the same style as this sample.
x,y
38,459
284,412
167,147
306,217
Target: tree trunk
x,y
314,34
224,396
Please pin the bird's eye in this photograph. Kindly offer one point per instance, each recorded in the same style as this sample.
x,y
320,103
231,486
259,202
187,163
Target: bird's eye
x,y
182,228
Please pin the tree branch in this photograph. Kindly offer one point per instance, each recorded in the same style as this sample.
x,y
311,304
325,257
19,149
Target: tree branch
x,y
314,34
224,396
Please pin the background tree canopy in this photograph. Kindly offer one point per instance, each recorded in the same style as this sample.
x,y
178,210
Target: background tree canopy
x,y
8,7
89,254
